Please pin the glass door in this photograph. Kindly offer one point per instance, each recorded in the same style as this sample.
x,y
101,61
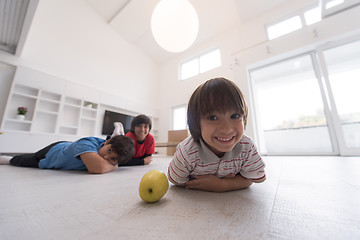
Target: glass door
x,y
289,109
341,69
310,104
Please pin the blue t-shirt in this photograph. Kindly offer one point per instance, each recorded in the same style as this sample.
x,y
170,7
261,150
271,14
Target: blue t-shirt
x,y
66,155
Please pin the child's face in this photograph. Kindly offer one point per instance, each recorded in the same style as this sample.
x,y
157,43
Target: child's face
x,y
221,132
141,131
106,153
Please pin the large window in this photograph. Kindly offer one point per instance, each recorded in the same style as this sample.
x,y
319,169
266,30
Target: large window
x,y
306,106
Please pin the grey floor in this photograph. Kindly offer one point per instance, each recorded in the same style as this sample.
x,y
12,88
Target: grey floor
x,y
302,198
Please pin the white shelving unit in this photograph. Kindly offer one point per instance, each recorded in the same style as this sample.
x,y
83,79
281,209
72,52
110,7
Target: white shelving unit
x,y
49,112
58,110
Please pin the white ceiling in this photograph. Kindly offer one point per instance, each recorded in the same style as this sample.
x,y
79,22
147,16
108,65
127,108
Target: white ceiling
x,y
131,18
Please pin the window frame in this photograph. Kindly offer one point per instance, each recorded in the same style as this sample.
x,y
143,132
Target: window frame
x,y
301,13
198,57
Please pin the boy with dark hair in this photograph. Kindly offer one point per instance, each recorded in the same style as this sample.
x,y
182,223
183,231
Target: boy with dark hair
x,y
218,156
144,141
90,153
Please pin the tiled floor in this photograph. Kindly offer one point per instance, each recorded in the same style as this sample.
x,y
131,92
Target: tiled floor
x,y
302,198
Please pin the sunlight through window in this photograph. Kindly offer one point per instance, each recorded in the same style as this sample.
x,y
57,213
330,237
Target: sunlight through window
x,y
179,118
312,16
284,27
189,69
200,64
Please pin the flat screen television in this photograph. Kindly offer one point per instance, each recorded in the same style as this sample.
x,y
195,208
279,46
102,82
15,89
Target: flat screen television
x,y
111,117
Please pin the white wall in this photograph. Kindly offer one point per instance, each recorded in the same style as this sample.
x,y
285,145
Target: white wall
x,y
7,73
244,48
68,40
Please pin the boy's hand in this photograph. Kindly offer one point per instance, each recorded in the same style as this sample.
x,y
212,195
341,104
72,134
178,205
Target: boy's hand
x,y
213,183
147,160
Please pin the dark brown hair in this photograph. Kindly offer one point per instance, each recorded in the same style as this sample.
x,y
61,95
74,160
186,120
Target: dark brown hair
x,y
215,95
138,120
123,146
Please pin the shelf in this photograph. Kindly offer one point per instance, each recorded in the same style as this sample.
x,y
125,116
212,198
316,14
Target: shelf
x,y
18,121
47,112
72,105
68,130
24,95
50,96
88,118
18,125
25,90
87,109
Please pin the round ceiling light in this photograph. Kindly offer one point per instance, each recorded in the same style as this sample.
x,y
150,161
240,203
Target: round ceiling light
x,y
174,25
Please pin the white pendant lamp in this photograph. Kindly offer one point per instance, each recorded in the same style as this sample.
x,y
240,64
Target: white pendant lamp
x,y
174,25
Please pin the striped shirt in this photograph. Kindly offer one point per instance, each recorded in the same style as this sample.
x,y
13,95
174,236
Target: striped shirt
x,y
193,159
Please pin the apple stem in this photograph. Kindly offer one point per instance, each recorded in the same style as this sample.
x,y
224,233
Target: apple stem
x,y
150,190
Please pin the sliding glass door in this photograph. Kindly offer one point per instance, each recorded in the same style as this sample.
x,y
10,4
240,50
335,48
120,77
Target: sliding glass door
x,y
289,108
308,104
341,66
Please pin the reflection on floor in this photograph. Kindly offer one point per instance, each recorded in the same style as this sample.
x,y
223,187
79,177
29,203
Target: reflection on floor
x,y
302,198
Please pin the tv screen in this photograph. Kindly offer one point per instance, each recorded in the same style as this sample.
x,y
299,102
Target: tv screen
x,y
111,117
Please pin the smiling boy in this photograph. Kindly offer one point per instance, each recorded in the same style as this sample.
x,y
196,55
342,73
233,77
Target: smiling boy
x,y
144,141
217,156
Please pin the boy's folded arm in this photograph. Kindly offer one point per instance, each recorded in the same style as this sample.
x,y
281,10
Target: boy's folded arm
x,y
213,183
96,164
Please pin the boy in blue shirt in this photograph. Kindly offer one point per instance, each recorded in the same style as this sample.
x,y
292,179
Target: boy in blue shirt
x,y
93,154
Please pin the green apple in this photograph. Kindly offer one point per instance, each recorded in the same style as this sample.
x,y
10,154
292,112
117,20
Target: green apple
x,y
153,186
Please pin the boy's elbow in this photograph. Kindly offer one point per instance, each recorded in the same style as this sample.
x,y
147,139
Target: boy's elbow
x,y
172,180
259,180
97,171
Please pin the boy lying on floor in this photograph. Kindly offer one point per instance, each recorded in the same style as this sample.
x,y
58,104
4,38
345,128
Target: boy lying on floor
x,y
93,154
